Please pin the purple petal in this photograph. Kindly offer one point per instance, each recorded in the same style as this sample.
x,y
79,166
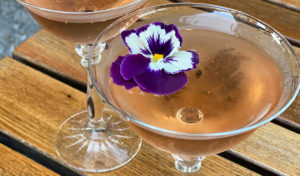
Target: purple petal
x,y
117,77
161,83
129,84
195,59
133,65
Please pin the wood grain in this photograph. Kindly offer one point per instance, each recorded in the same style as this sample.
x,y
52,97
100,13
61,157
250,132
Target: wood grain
x,y
156,2
15,164
275,146
33,105
286,21
46,51
291,4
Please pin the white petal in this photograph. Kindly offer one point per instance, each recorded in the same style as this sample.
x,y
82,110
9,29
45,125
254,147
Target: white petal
x,y
175,41
181,61
155,66
136,45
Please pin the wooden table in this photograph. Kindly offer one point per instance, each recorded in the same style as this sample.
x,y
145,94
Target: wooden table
x,y
44,84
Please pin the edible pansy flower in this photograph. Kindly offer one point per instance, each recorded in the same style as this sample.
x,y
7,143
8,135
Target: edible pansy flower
x,y
155,63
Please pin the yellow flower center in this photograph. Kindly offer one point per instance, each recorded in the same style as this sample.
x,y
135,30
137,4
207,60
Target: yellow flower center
x,y
157,57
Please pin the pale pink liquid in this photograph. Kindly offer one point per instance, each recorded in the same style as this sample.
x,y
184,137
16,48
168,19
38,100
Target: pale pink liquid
x,y
235,85
83,32
79,6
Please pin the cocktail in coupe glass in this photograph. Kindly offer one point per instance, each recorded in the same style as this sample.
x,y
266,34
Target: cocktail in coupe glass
x,y
240,73
87,141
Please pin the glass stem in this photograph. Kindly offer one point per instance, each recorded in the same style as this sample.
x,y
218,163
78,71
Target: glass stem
x,y
187,165
83,50
95,103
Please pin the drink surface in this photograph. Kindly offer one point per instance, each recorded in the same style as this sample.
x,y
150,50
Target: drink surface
x,y
235,84
79,6
80,29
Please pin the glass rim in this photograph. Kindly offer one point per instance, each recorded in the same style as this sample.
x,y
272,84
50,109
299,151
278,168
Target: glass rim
x,y
78,13
194,136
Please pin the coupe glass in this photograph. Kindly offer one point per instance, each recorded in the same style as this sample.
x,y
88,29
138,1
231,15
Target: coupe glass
x,y
93,140
194,20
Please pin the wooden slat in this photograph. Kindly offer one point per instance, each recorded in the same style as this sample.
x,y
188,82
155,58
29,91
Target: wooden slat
x,y
156,2
46,51
38,50
33,105
15,164
284,20
291,4
274,146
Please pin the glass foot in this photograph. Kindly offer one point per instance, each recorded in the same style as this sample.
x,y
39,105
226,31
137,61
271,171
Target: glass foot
x,y
187,165
96,149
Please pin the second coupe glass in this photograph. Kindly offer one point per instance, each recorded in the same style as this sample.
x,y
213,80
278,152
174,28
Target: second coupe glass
x,y
96,140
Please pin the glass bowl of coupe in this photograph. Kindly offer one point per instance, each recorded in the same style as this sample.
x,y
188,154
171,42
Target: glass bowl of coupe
x,y
194,79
